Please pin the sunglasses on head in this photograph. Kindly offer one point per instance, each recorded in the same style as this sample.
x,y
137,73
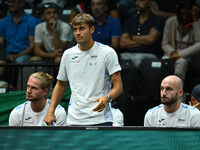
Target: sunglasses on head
x,y
49,5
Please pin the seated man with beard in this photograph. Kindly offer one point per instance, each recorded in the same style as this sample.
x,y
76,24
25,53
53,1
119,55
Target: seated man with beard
x,y
32,112
172,113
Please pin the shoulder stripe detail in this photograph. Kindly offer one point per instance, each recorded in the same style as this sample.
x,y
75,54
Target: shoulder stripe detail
x,y
21,105
188,107
157,107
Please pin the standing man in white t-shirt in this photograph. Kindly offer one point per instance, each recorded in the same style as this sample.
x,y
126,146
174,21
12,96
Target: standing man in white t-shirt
x,y
172,113
32,112
93,72
52,36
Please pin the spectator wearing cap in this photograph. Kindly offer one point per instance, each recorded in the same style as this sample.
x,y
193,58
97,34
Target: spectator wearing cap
x,y
52,36
195,97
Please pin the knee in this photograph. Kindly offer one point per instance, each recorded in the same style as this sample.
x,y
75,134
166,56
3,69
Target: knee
x,y
22,59
35,58
182,61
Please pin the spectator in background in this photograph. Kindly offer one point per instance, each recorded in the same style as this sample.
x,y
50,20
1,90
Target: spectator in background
x,y
32,112
195,12
181,41
172,113
17,31
141,35
3,9
90,64
107,28
126,8
195,97
52,36
164,9
16,35
83,6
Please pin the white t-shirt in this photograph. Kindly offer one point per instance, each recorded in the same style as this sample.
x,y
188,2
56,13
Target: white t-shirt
x,y
88,74
118,117
185,116
42,35
23,115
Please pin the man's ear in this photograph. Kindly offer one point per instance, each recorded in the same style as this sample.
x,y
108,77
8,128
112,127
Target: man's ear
x,y
181,92
193,100
92,29
46,92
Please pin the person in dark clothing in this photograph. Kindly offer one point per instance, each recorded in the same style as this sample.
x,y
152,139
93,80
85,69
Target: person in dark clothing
x,y
141,35
136,98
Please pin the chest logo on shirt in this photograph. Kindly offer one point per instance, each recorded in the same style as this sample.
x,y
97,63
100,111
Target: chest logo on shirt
x,y
75,59
181,120
162,123
29,121
28,118
161,120
93,60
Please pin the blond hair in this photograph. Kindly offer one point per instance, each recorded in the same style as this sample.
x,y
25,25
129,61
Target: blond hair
x,y
83,18
45,80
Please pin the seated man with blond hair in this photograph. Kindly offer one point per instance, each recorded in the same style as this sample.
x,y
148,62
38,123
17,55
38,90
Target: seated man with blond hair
x,y
32,112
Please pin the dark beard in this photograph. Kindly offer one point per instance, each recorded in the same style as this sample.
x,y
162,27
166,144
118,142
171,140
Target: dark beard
x,y
32,99
172,101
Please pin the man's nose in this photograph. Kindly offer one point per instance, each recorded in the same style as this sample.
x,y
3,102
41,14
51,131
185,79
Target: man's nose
x,y
28,89
163,92
77,31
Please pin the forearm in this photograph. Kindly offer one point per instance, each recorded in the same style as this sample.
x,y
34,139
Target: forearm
x,y
113,93
26,51
190,51
57,95
57,42
42,53
128,43
143,39
117,86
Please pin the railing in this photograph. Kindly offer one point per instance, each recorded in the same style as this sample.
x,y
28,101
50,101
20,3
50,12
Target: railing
x,y
50,68
107,138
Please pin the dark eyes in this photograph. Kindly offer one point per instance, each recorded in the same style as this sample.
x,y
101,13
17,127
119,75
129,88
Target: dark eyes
x,y
167,89
34,88
81,29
